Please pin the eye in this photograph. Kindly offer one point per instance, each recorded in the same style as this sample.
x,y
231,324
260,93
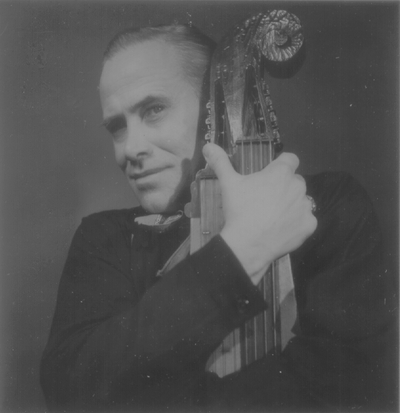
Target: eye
x,y
153,112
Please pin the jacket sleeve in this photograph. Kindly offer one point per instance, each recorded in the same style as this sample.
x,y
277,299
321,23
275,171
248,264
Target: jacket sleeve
x,y
346,299
110,346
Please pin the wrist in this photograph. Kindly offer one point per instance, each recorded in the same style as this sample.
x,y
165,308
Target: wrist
x,y
253,258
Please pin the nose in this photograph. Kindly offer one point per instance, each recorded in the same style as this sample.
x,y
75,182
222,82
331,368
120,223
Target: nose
x,y
137,144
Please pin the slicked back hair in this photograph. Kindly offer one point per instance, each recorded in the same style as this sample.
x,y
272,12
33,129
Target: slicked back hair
x,y
193,46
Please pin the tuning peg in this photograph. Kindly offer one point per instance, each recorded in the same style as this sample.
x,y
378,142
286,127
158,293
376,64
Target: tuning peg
x,y
272,116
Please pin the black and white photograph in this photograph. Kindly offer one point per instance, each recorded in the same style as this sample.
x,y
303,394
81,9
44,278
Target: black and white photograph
x,y
199,206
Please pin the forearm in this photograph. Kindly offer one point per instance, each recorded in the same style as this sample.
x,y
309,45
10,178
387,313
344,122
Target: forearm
x,y
169,332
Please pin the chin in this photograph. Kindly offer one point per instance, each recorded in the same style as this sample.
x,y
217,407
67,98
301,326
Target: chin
x,y
157,204
168,200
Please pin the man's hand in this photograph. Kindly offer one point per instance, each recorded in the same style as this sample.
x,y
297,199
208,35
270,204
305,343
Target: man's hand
x,y
267,214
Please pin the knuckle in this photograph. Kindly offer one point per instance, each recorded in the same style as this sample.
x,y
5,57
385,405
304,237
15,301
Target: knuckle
x,y
312,223
286,164
298,189
286,156
300,186
291,159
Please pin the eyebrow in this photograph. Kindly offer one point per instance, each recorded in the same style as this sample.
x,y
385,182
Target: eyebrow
x,y
132,109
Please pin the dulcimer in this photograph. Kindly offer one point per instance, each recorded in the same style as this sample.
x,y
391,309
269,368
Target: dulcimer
x,y
242,120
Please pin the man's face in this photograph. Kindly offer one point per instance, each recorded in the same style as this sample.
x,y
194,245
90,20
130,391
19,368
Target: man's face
x,y
152,112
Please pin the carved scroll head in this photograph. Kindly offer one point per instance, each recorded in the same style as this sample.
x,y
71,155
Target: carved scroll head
x,y
279,35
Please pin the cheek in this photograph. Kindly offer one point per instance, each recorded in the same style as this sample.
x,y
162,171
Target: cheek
x,y
189,136
179,141
119,156
188,147
188,122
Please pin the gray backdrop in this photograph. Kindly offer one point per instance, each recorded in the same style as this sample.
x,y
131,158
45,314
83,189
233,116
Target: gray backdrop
x,y
339,112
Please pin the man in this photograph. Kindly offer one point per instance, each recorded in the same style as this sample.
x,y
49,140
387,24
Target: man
x,y
124,339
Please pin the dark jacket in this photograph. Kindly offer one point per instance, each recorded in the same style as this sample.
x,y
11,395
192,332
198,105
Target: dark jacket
x,y
125,339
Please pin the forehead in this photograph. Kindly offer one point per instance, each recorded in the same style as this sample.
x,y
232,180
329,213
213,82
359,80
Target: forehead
x,y
155,62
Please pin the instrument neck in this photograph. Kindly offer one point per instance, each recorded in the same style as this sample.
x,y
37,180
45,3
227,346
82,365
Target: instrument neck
x,y
252,155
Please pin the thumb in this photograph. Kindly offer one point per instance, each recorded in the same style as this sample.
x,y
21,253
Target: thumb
x,y
218,161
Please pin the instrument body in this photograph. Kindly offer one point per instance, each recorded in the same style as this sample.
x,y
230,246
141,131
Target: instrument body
x,y
242,120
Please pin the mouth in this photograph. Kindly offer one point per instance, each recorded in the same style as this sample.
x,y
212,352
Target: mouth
x,y
140,175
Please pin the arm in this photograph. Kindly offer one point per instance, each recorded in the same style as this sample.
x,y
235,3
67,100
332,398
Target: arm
x,y
108,345
345,306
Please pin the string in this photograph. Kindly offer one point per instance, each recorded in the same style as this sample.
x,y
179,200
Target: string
x,y
257,336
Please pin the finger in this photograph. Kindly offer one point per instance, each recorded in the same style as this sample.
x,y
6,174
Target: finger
x,y
289,159
219,162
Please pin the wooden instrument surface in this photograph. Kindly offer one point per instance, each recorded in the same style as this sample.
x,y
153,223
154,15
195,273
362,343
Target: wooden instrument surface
x,y
242,120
